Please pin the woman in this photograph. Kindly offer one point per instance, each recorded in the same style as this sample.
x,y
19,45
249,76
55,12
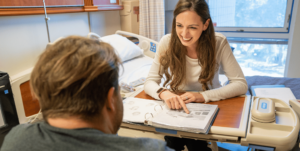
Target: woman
x,y
190,58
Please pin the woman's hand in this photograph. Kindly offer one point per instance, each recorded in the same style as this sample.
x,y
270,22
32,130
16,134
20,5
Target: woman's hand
x,y
173,101
189,97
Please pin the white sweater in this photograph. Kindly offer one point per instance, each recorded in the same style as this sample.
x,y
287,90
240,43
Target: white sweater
x,y
224,57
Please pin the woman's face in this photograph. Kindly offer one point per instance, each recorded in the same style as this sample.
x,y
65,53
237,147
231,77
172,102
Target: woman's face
x,y
189,28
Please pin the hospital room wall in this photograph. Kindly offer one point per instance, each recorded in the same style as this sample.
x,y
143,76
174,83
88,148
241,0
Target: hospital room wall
x,y
293,56
24,38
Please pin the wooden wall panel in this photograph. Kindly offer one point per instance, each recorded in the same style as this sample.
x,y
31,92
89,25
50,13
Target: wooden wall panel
x,y
88,2
11,3
30,103
36,11
104,2
106,5
22,7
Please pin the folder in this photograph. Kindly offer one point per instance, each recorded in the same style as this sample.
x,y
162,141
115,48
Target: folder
x,y
155,113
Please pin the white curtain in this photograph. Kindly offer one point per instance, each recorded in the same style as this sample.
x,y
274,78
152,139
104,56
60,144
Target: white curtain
x,y
152,19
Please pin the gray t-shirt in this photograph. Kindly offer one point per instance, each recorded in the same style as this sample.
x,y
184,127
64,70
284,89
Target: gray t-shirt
x,y
41,136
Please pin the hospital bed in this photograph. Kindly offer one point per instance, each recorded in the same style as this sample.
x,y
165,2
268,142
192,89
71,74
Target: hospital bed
x,y
135,67
137,60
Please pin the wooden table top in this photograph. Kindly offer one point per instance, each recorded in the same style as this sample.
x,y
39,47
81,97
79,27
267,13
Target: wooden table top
x,y
229,115
230,110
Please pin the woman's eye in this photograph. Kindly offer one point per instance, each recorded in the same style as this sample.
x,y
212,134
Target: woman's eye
x,y
193,28
179,26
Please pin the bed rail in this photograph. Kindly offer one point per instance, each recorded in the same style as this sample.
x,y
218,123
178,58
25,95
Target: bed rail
x,y
148,45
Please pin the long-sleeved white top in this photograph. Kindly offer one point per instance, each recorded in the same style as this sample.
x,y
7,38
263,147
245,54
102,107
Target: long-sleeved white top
x,y
224,57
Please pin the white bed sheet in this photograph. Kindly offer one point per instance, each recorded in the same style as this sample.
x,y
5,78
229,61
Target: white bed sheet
x,y
134,69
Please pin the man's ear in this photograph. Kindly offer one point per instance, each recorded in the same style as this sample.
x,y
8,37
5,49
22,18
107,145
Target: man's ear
x,y
110,101
206,24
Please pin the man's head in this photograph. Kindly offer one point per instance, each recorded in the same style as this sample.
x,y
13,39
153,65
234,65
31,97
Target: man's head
x,y
77,76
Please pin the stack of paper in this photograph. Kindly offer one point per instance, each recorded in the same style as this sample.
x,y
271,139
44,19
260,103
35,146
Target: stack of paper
x,y
276,91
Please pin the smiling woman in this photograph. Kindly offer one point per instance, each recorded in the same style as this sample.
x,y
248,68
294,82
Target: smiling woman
x,y
190,58
189,24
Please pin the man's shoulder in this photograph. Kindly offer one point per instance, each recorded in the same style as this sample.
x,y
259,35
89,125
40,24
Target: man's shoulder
x,y
25,137
21,130
146,144
21,134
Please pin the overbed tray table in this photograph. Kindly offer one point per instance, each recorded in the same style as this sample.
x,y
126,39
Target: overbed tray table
x,y
230,124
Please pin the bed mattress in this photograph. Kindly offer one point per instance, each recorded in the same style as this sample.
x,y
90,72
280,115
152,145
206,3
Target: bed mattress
x,y
134,69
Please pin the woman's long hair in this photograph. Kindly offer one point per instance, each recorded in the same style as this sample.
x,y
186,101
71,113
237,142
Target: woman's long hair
x,y
174,58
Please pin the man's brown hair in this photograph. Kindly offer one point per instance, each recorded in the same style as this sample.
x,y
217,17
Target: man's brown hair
x,y
73,77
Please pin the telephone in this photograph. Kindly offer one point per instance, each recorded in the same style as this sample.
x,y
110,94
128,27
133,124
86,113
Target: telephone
x,y
263,110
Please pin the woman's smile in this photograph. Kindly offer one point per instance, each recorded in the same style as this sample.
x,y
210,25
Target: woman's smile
x,y
187,39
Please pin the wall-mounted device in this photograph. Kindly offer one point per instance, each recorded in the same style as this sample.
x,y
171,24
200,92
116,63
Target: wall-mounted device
x,y
8,112
130,16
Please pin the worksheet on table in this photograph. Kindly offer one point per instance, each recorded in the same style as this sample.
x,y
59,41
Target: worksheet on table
x,y
284,94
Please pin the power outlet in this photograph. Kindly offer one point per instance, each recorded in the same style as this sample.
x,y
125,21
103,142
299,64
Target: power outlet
x,y
113,1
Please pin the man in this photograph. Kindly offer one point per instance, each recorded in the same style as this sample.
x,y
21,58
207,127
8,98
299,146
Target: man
x,y
76,82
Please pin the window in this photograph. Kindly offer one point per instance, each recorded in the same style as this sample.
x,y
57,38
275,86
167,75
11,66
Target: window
x,y
266,22
261,59
251,15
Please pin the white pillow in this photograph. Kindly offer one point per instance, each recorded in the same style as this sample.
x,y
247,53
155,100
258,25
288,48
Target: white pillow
x,y
124,48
